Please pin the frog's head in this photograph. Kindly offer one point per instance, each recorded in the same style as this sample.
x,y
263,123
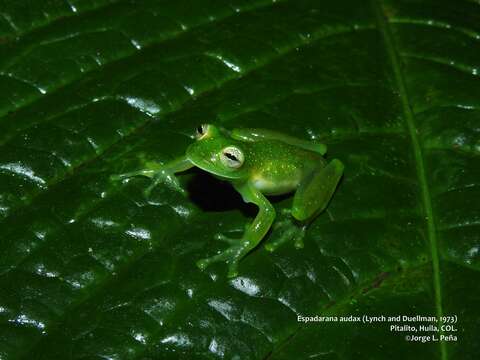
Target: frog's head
x,y
215,152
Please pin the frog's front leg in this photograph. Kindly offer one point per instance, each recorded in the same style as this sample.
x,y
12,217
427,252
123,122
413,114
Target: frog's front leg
x,y
311,198
253,234
160,173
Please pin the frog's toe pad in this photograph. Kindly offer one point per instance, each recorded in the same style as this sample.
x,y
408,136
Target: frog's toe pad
x,y
202,264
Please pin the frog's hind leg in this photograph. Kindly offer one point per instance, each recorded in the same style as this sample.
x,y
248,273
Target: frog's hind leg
x,y
251,135
311,198
314,194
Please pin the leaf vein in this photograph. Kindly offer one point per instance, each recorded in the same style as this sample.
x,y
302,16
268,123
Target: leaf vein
x,y
391,48
70,81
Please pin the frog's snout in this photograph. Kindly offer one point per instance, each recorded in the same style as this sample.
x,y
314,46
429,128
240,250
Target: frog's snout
x,y
198,155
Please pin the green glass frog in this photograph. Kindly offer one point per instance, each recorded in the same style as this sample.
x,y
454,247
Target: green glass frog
x,y
257,162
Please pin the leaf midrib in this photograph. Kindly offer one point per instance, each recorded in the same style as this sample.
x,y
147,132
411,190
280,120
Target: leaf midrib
x,y
409,117
384,29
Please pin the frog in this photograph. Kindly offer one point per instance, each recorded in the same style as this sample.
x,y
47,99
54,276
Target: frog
x,y
258,163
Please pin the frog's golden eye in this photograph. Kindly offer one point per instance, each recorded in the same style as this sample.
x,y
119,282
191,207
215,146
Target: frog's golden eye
x,y
201,131
232,157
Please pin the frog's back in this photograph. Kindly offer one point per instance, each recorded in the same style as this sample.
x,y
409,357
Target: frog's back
x,y
277,167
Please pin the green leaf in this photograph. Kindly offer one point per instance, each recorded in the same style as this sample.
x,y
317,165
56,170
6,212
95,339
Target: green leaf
x,y
89,269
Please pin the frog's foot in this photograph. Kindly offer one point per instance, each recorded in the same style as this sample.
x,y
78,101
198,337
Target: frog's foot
x,y
168,179
232,255
286,230
157,176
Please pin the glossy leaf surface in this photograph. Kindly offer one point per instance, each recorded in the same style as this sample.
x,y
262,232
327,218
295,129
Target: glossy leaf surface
x,y
90,269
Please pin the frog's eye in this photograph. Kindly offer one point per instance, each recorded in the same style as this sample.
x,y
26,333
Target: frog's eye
x,y
201,131
232,157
